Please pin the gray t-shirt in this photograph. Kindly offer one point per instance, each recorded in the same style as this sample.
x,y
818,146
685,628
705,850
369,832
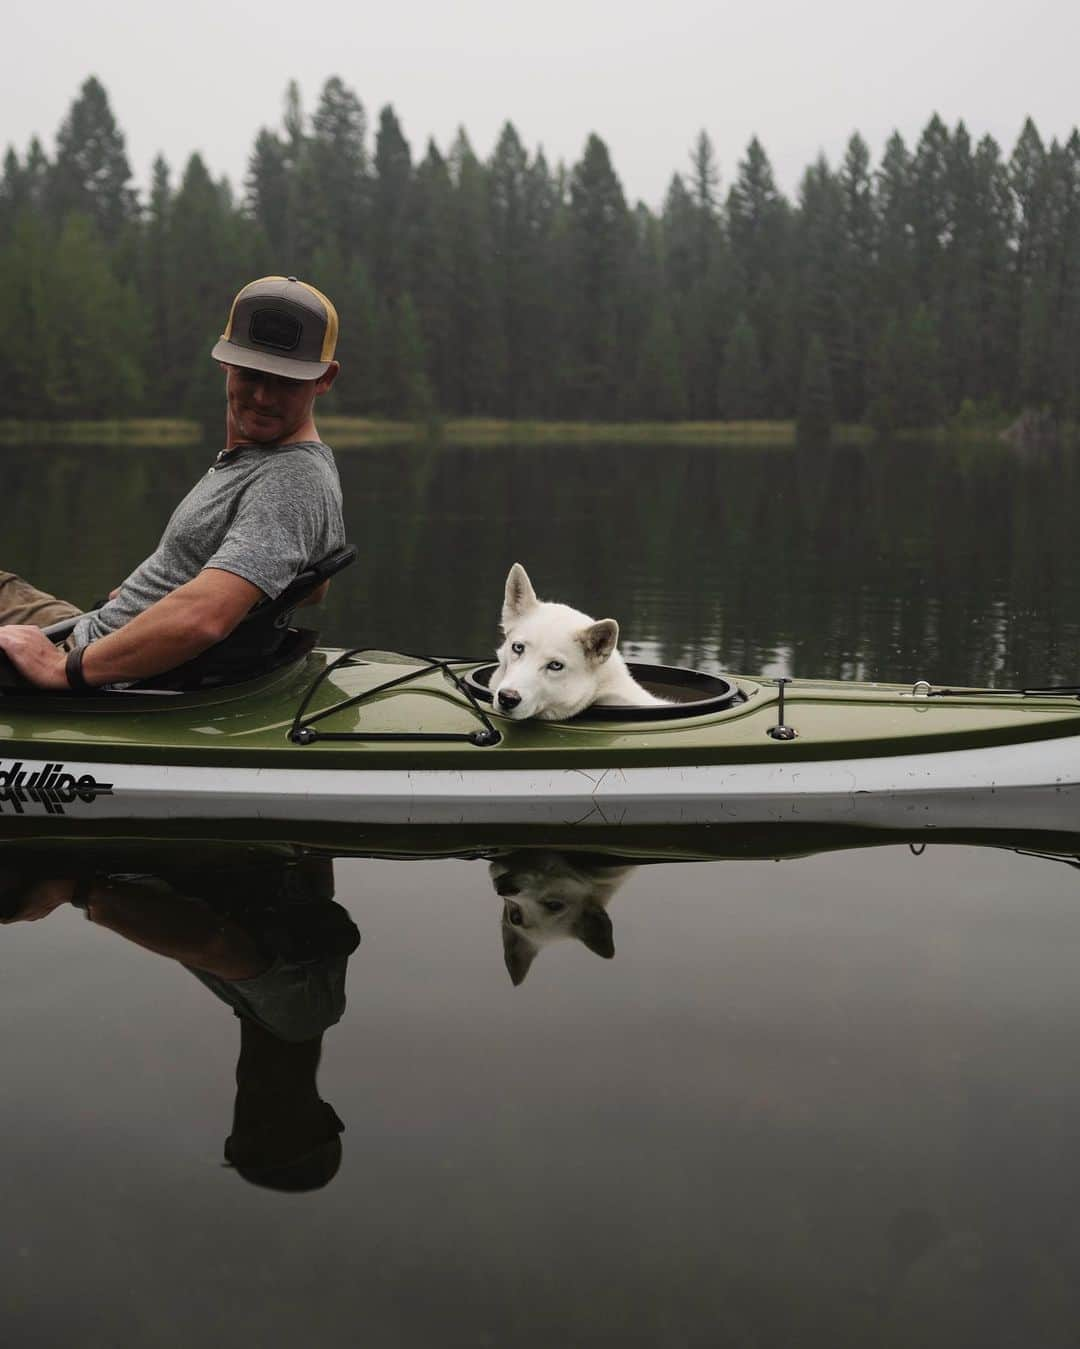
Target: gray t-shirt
x,y
262,514
292,1001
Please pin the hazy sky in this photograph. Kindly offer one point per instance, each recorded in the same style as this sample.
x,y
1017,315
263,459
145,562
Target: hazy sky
x,y
645,77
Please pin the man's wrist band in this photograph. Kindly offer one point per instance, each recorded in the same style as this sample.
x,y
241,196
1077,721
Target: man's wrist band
x,y
74,671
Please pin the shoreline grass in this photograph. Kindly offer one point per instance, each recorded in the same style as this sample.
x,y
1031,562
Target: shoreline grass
x,y
350,433
353,432
149,431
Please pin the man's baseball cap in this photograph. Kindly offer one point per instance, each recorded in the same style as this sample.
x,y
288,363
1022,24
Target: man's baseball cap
x,y
281,326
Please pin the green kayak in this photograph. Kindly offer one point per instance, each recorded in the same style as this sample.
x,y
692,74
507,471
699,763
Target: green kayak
x,y
365,737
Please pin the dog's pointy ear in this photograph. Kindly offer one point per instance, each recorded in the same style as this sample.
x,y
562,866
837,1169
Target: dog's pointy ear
x,y
599,639
520,596
518,952
595,930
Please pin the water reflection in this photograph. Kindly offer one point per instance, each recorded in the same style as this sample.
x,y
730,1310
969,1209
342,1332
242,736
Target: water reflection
x,y
268,940
951,562
818,1101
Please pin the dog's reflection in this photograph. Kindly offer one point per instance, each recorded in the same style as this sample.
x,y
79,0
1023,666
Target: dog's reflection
x,y
264,934
553,896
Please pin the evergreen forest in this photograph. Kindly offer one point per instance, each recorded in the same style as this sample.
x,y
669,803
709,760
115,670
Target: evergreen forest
x,y
940,283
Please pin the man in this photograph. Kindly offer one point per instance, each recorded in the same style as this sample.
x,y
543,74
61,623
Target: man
x,y
268,508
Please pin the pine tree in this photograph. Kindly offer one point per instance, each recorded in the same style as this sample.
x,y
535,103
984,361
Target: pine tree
x,y
758,232
30,352
930,212
925,403
91,173
158,286
293,121
885,412
682,240
431,271
699,315
268,196
856,281
406,392
907,375
358,389
599,238
212,247
959,299
545,284
659,389
823,258
895,279
705,193
815,395
11,195
741,392
756,217
339,162
37,172
391,209
477,348
996,354
507,178
1065,354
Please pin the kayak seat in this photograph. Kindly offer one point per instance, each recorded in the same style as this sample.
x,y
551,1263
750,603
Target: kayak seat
x,y
263,642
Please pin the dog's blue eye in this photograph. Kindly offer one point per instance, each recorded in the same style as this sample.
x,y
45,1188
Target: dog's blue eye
x,y
517,648
555,665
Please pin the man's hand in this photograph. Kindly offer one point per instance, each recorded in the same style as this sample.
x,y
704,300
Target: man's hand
x,y
34,656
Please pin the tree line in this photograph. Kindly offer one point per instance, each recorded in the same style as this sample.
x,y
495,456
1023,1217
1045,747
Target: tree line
x,y
943,282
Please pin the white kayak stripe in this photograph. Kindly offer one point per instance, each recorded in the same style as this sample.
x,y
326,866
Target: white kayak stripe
x,y
855,790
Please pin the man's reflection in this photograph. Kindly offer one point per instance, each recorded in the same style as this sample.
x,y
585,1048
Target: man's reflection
x,y
264,935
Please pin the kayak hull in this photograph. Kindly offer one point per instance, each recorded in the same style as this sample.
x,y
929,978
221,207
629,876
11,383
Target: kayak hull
x,y
863,754
1025,786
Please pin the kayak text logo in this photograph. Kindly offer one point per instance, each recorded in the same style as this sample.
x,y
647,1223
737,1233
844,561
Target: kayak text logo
x,y
50,787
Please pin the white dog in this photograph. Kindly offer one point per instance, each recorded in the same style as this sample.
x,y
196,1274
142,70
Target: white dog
x,y
557,661
550,896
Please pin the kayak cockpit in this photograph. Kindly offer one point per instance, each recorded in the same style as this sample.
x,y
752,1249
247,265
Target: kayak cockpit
x,y
687,693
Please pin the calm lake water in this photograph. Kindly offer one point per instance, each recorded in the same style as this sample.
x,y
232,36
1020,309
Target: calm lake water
x,y
820,1101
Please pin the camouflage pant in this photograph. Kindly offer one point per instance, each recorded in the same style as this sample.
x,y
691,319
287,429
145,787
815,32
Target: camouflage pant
x,y
20,602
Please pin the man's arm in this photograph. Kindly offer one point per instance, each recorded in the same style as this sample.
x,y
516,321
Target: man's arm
x,y
177,628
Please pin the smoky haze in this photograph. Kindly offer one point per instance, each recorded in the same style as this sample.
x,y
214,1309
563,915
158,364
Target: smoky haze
x,y
644,77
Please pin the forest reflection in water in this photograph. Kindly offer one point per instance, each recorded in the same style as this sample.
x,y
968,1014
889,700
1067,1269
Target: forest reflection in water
x,y
818,1101
952,562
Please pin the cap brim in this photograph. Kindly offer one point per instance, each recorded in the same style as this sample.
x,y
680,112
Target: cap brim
x,y
267,362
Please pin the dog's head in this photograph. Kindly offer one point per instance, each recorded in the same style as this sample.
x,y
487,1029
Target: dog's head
x,y
550,661
549,897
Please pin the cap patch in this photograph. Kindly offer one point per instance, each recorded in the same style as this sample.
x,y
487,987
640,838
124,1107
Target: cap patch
x,y
273,328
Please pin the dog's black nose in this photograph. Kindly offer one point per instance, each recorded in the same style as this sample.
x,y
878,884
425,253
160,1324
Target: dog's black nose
x,y
508,699
506,885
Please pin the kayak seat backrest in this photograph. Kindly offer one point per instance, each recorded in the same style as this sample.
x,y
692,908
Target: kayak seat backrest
x,y
255,645
262,642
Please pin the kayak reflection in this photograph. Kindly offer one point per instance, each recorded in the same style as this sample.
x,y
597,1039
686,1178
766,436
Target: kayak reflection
x,y
265,936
